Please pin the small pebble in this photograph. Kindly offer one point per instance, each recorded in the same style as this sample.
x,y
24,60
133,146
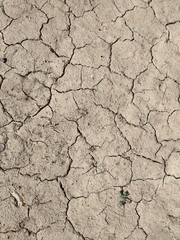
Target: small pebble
x,y
2,147
4,60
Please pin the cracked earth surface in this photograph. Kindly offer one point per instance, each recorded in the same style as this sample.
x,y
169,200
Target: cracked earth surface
x,y
90,119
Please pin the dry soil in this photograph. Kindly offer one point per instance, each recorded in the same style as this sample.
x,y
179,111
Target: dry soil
x,y
90,119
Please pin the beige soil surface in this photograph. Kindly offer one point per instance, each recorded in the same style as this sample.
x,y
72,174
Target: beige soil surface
x,y
89,119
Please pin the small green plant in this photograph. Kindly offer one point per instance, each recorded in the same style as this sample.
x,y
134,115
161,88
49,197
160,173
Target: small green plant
x,y
124,197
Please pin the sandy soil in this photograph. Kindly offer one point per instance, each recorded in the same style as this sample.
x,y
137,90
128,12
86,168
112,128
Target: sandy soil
x,y
90,119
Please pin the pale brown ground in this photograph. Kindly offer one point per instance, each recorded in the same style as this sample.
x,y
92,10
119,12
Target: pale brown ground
x,y
89,112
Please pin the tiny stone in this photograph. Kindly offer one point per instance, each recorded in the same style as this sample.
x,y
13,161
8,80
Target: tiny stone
x,y
4,60
2,147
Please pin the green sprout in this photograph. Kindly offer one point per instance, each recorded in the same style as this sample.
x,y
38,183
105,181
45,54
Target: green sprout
x,y
124,197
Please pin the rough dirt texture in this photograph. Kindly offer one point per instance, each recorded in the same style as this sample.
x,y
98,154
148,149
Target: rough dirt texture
x,y
90,119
